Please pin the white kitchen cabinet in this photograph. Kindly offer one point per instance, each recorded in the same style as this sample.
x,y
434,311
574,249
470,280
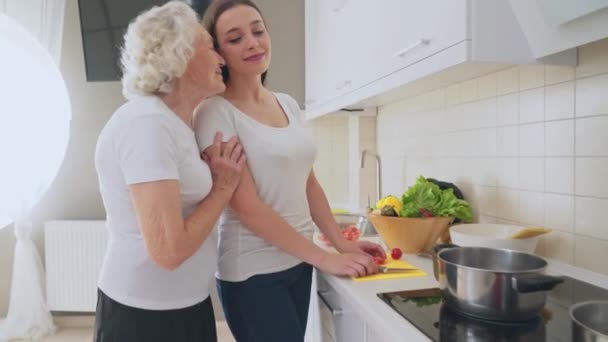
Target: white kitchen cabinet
x,y
412,30
337,42
553,26
339,322
318,20
364,54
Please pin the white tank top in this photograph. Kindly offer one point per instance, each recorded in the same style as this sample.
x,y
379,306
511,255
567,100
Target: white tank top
x,y
280,160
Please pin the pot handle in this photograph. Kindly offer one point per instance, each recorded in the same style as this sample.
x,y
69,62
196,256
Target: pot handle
x,y
434,251
438,248
534,282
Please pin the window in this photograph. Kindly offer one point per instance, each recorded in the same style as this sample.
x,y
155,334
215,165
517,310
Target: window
x,y
34,120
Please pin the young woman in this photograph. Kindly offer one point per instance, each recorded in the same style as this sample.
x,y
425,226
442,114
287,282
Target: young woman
x,y
265,248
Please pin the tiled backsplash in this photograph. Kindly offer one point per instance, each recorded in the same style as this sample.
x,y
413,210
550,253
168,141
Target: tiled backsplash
x,y
527,145
367,179
331,136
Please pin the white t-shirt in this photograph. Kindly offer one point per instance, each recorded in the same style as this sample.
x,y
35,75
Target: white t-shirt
x,y
280,160
145,141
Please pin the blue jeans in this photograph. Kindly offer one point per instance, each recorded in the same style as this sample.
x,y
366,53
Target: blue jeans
x,y
268,307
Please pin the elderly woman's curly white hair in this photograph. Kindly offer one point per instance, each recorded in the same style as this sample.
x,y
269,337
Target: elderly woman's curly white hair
x,y
158,46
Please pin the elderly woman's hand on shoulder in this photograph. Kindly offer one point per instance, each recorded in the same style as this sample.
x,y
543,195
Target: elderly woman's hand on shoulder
x,y
226,161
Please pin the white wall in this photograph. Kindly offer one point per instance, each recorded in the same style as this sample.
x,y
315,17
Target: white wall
x,y
527,145
285,21
74,194
331,135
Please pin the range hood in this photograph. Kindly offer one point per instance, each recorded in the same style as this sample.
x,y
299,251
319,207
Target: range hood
x,y
552,26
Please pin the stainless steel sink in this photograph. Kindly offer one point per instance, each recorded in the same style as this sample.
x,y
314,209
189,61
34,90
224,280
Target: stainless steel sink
x,y
360,220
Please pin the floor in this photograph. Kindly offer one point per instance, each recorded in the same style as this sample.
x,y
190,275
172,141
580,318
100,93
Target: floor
x,y
85,334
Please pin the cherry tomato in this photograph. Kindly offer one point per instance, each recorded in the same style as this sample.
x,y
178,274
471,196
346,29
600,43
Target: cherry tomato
x,y
351,233
379,260
396,253
425,212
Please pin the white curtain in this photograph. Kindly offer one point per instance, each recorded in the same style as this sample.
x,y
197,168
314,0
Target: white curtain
x,y
42,18
28,316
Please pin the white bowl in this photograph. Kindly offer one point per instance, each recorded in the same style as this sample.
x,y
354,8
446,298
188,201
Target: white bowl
x,y
491,235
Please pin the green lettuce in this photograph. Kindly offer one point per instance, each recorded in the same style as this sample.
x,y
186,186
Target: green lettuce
x,y
428,195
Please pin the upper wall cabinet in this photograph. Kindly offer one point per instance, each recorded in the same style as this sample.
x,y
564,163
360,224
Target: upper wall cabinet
x,y
367,53
553,26
339,34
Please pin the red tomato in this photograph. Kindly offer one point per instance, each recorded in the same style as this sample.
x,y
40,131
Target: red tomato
x,y
379,260
425,212
396,254
351,233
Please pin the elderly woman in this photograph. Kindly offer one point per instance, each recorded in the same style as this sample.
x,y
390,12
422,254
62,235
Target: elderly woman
x,y
162,200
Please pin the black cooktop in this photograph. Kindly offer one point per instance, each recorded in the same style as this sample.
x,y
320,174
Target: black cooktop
x,y
425,310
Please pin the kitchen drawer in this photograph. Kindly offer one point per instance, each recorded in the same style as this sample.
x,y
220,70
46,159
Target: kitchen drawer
x,y
337,317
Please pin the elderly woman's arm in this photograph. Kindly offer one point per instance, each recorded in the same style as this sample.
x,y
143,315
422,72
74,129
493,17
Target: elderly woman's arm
x,y
171,239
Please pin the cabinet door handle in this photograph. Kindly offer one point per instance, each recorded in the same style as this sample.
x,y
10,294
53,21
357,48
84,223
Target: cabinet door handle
x,y
403,52
334,312
343,84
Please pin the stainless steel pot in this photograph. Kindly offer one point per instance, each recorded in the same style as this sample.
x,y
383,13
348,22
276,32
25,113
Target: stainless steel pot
x,y
590,321
493,284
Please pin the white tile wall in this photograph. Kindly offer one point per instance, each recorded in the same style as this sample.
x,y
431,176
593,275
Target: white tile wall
x,y
532,174
559,138
532,140
531,76
559,175
591,95
528,145
532,105
508,109
591,177
558,74
559,101
559,212
367,179
589,136
330,134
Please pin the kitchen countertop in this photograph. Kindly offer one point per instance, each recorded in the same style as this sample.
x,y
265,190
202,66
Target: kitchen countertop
x,y
382,318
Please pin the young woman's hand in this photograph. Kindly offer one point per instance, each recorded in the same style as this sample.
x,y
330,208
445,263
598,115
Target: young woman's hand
x,y
363,247
348,264
226,162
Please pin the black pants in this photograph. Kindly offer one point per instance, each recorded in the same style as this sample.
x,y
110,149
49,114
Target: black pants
x,y
268,307
115,322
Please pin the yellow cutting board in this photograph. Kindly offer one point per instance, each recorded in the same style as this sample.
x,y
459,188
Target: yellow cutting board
x,y
396,275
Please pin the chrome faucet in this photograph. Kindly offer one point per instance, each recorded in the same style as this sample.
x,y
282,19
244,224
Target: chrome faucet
x,y
378,172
